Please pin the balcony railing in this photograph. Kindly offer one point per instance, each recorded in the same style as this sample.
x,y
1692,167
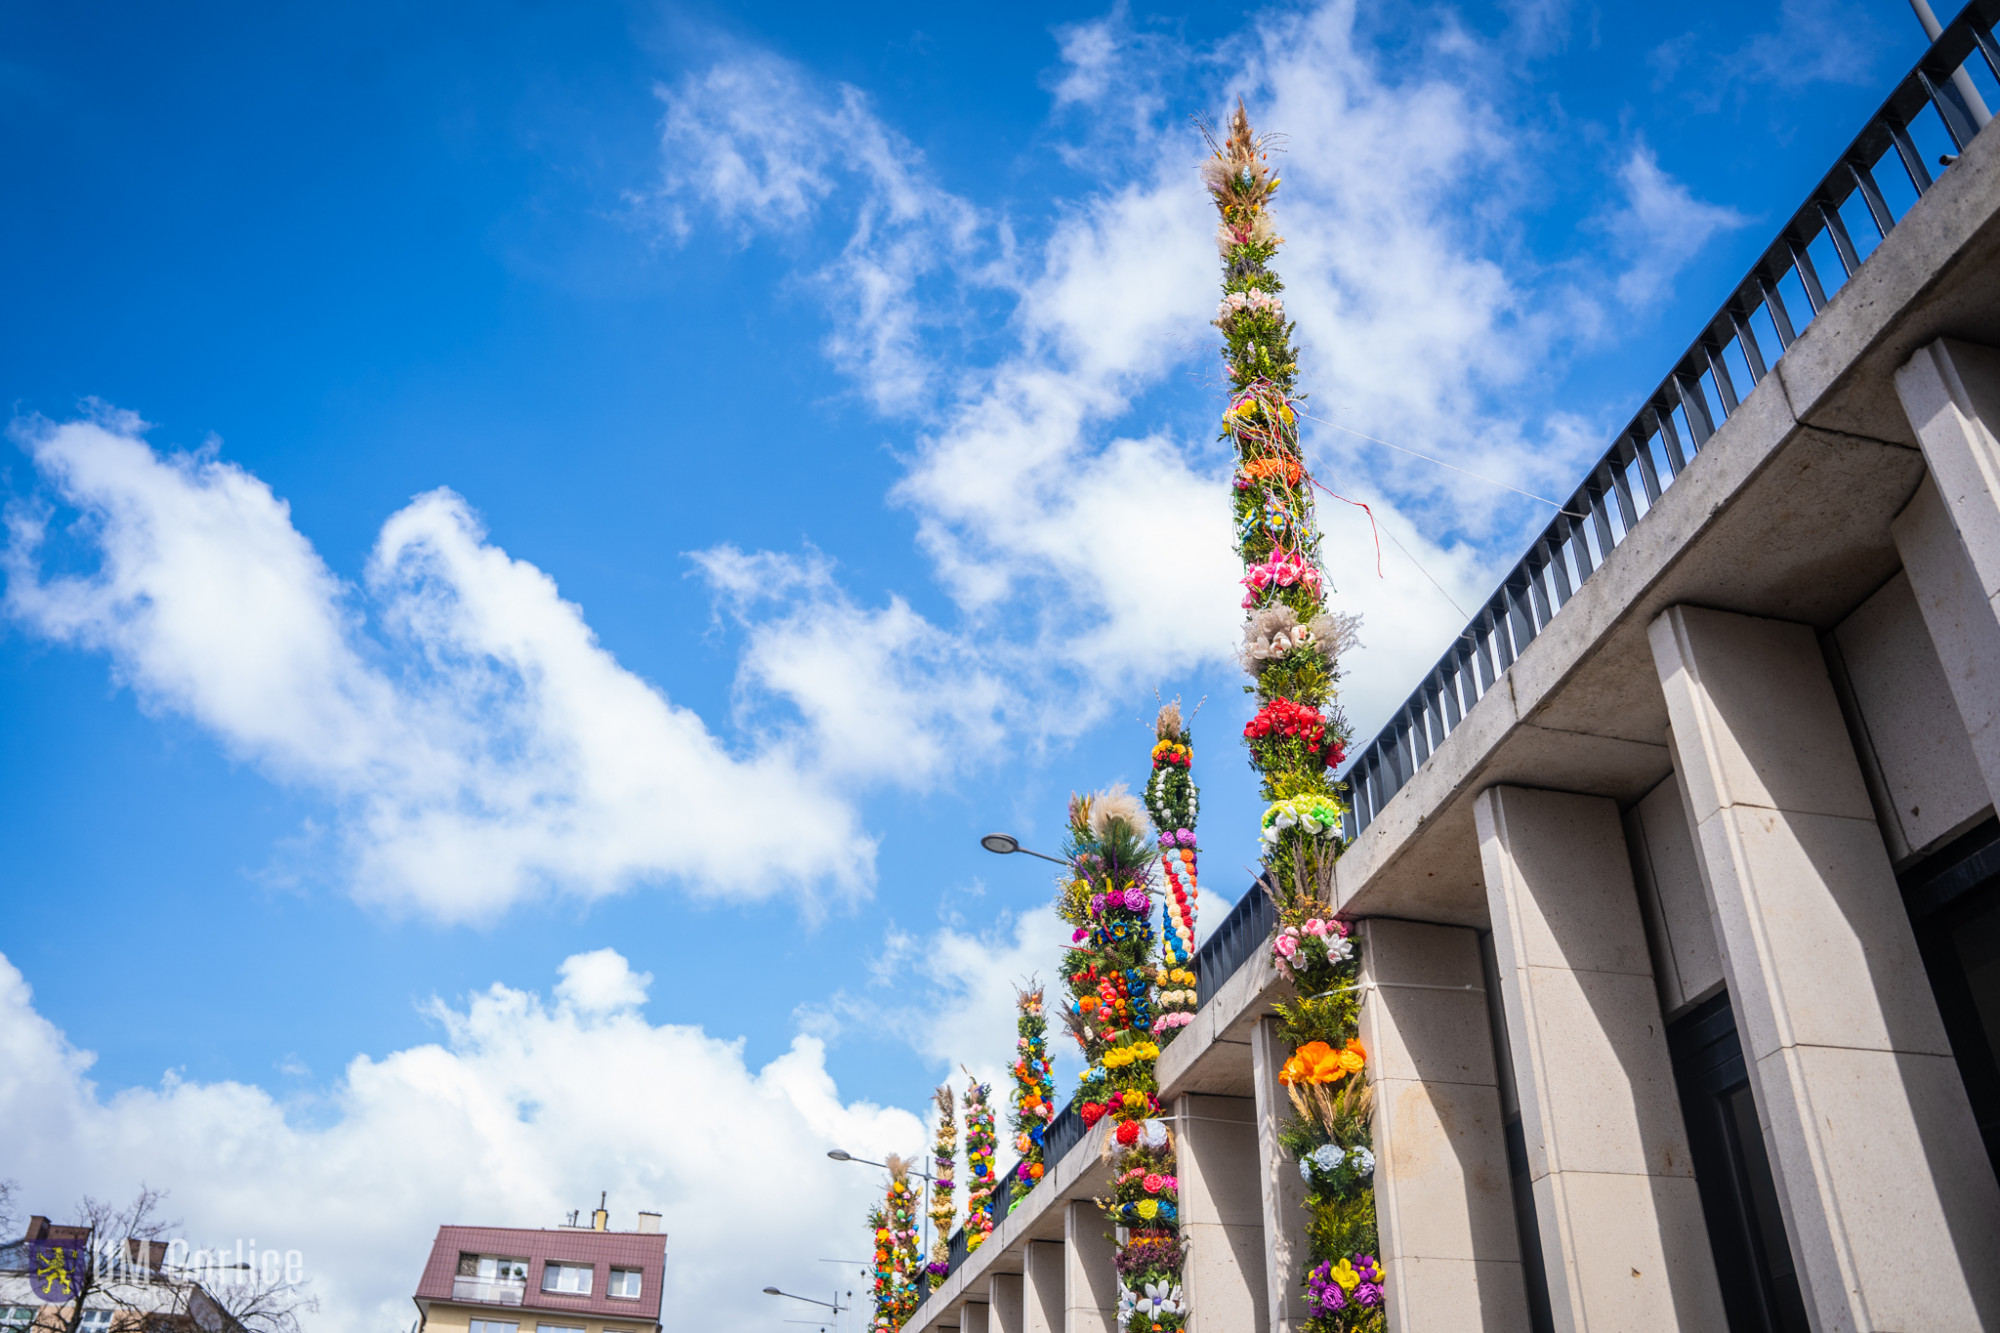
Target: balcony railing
x,y
1784,290
489,1290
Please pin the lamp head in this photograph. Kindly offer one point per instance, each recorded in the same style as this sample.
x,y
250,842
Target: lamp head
x,y
772,1291
841,1155
1001,844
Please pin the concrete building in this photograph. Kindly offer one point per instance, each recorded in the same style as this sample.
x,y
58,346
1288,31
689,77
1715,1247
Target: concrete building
x,y
569,1279
1680,873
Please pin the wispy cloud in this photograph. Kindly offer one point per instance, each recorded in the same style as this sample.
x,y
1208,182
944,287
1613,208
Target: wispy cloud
x,y
483,745
1657,227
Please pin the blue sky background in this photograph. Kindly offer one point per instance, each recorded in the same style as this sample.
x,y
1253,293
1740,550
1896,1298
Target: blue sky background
x,y
373,251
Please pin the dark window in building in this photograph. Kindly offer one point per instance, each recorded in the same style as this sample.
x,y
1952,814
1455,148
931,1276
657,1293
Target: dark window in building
x,y
1953,897
1746,1231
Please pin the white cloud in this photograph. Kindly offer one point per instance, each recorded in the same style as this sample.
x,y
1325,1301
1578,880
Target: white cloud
x,y
601,981
1658,227
522,1113
482,743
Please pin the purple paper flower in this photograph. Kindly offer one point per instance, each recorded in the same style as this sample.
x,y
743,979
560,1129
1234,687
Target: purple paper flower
x,y
1367,1294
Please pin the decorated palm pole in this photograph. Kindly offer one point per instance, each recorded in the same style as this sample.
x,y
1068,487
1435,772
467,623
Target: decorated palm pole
x,y
1109,967
943,1211
1174,802
1033,1101
1291,644
981,1178
897,1258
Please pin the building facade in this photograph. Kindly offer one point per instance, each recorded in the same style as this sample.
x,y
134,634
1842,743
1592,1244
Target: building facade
x,y
1679,875
572,1279
130,1286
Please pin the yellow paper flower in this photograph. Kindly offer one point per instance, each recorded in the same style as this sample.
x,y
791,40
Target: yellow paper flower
x,y
1148,1209
1344,1274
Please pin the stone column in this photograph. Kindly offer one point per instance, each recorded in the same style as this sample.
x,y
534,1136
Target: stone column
x,y
1005,1296
1622,1228
1042,1303
1889,1200
1090,1281
1222,1212
1442,1193
1283,1201
972,1318
1949,535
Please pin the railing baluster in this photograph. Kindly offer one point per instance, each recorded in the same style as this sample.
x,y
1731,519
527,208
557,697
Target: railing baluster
x,y
1600,515
1671,438
1753,355
1449,677
1538,593
1695,408
1781,319
1558,561
1951,110
1484,648
1871,195
1579,540
1724,386
1808,277
1913,161
1843,244
1521,616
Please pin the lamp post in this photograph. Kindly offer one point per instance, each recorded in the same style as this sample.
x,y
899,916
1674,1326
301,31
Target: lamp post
x,y
1006,844
833,1305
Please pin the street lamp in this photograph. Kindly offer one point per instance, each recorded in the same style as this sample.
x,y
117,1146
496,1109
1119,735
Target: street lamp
x,y
1006,844
842,1155
833,1305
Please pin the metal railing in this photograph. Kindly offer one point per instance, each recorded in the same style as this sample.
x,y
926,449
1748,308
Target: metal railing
x,y
489,1290
1758,322
1241,933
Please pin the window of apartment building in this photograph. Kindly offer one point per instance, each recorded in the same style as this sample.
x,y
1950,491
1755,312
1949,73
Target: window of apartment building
x,y
558,1328
95,1321
495,1326
492,1267
624,1282
571,1278
15,1318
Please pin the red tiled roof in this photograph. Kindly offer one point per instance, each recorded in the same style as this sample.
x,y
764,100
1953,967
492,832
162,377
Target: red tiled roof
x,y
603,1250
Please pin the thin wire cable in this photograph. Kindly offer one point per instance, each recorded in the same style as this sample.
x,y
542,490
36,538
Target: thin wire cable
x,y
1439,461
1399,546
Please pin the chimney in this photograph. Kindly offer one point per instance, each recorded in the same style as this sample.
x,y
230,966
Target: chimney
x,y
649,1224
38,1228
600,1220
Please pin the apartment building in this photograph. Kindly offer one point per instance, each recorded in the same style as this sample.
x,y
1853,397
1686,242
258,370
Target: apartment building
x,y
131,1287
1679,872
568,1279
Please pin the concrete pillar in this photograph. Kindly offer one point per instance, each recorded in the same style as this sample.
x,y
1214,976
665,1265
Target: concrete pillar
x,y
1004,1295
1222,1211
972,1318
1042,1303
1889,1201
1959,614
1283,1194
1442,1194
1622,1228
1090,1279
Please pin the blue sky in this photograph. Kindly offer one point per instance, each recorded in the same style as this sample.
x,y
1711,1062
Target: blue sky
x,y
667,478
